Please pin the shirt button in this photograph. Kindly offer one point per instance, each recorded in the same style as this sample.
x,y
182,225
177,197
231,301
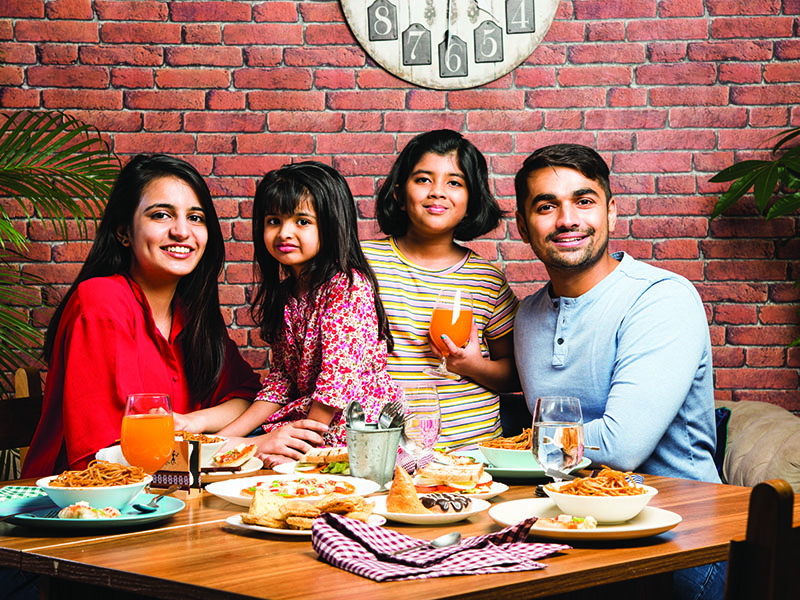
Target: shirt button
x,y
560,341
174,378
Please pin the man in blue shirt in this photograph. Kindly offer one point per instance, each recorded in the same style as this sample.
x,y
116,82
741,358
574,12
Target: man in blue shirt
x,y
629,339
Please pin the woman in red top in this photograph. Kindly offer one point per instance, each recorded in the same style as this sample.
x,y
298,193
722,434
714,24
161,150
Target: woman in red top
x,y
143,316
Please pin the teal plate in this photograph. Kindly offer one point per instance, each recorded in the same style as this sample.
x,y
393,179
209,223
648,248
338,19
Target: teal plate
x,y
130,517
515,473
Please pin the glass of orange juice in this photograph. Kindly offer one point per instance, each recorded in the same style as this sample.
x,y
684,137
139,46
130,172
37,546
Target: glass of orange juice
x,y
451,316
148,431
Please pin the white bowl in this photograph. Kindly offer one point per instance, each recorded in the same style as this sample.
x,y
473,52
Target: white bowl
x,y
504,458
116,496
208,449
606,509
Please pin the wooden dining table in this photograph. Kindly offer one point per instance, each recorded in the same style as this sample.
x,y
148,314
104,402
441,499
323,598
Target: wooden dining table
x,y
196,555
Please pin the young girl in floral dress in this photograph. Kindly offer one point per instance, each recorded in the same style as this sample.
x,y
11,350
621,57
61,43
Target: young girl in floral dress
x,y
316,304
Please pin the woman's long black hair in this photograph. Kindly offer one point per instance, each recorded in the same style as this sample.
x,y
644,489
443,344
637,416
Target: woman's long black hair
x,y
204,335
279,193
483,211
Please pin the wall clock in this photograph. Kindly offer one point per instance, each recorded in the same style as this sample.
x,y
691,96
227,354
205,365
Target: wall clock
x,y
449,44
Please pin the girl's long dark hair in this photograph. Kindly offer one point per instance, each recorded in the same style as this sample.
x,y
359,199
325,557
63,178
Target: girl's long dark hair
x,y
204,335
279,193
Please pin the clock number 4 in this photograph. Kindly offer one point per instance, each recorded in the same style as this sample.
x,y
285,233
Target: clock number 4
x,y
520,16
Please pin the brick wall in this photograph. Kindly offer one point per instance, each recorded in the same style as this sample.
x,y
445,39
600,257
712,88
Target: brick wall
x,y
668,91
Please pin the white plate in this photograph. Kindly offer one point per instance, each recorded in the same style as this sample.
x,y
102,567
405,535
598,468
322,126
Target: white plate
x,y
286,468
496,489
230,489
651,521
251,466
236,521
477,506
515,472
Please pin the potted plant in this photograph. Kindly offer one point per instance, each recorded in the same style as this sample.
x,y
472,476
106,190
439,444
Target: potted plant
x,y
782,171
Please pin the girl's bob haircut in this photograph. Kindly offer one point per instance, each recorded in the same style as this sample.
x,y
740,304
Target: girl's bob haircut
x,y
483,212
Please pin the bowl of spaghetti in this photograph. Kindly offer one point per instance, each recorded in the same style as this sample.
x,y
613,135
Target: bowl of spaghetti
x,y
209,445
510,452
610,496
101,484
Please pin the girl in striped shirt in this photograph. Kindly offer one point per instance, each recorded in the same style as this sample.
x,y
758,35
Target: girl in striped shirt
x,y
436,193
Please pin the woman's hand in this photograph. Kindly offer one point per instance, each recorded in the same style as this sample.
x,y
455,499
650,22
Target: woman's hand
x,y
190,422
289,442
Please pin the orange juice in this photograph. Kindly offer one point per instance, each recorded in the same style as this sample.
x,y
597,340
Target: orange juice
x,y
457,329
147,440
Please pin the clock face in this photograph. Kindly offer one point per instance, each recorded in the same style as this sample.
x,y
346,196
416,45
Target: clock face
x,y
449,44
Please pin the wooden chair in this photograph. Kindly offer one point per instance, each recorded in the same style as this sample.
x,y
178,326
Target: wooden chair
x,y
19,416
762,565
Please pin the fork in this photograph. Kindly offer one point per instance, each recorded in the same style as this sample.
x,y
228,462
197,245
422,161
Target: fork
x,y
51,514
388,413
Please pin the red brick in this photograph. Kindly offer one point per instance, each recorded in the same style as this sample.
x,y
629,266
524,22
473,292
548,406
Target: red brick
x,y
571,98
743,7
778,314
366,100
18,98
215,143
747,138
278,34
546,54
302,121
281,100
162,121
751,228
781,72
254,166
6,30
192,78
528,142
56,31
728,357
787,49
659,52
563,119
133,10
362,122
209,11
769,116
12,53
746,270
689,96
324,57
197,33
668,29
224,100
334,79
786,292
755,378
615,140
141,33
715,51
668,228
681,8
69,9
120,55
165,99
275,12
58,54
420,122
713,161
680,184
69,77
681,74
271,143
231,122
367,79
621,9
627,97
605,31
773,94
672,249
601,75
647,162
29,9
708,117
344,143
153,142
752,27
112,120
88,99
607,53
132,78
215,56
739,248
11,75
535,77
736,314
283,78
328,33
675,140
639,249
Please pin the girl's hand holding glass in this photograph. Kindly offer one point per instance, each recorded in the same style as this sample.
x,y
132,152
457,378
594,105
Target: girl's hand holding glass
x,y
451,316
148,431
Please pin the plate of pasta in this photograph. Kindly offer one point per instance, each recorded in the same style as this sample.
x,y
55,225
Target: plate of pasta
x,y
650,521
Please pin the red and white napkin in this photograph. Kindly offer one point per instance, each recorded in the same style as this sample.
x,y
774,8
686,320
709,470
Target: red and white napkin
x,y
365,550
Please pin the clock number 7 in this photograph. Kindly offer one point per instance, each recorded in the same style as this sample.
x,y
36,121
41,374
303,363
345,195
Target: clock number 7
x,y
416,45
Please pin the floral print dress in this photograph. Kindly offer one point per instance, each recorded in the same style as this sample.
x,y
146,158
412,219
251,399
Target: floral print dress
x,y
329,352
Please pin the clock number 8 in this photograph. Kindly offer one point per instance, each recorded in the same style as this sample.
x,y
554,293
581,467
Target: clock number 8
x,y
382,21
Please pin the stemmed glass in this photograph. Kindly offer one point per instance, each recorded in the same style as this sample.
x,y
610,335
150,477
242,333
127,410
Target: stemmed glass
x,y
557,433
451,316
148,431
423,422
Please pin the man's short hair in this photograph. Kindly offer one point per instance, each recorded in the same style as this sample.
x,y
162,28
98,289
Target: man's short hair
x,y
573,156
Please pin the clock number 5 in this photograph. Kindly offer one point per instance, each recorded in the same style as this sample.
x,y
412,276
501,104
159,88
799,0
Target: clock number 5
x,y
488,43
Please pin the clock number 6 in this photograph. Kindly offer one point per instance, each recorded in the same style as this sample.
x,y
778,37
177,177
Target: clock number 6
x,y
453,57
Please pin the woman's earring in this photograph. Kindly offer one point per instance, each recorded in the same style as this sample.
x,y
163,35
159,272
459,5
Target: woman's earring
x,y
123,239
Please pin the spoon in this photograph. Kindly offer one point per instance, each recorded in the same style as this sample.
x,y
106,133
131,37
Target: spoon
x,y
152,506
354,415
443,541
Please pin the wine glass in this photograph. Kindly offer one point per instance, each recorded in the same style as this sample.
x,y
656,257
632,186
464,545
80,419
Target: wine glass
x,y
451,316
423,422
148,431
557,433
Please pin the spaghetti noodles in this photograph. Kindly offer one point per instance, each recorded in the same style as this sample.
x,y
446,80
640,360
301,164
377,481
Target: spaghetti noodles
x,y
607,482
100,473
517,442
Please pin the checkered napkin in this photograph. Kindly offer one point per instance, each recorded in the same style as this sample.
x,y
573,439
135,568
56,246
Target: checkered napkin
x,y
17,492
22,498
364,550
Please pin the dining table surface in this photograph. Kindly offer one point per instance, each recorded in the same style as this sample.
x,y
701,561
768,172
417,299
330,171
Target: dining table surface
x,y
196,554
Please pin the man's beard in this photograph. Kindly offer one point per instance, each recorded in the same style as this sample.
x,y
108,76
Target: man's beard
x,y
578,259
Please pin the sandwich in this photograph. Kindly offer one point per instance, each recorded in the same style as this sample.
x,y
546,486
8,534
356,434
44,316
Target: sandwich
x,y
465,477
402,496
332,461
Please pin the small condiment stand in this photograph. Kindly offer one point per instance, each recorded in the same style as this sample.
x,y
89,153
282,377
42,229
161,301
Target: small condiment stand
x,y
182,468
